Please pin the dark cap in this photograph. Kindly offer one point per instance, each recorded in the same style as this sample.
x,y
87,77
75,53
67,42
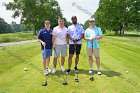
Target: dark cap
x,y
73,17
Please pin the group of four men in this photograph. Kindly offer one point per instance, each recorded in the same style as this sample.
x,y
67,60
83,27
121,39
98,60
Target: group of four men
x,y
60,36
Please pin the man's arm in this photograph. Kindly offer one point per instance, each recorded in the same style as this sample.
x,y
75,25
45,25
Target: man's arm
x,y
82,36
39,38
54,40
98,37
43,43
100,34
69,37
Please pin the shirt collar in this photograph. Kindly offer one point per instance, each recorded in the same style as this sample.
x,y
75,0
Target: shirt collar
x,y
92,28
46,29
76,24
61,27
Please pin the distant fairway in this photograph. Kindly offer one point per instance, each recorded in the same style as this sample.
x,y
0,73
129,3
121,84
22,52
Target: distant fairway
x,y
118,55
18,36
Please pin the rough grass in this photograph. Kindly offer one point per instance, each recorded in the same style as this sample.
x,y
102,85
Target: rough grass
x,y
14,37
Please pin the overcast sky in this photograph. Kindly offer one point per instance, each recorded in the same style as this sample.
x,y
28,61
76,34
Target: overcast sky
x,y
83,9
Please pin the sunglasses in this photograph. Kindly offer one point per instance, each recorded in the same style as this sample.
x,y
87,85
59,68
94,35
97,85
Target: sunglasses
x,y
91,21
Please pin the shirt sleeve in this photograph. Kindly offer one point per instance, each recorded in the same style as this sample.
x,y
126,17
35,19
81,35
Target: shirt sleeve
x,y
82,29
39,35
99,32
54,31
68,31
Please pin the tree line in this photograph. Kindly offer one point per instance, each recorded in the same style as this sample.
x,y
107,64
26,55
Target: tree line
x,y
111,15
13,27
118,15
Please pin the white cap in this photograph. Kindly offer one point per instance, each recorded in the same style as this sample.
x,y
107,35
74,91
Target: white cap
x,y
92,19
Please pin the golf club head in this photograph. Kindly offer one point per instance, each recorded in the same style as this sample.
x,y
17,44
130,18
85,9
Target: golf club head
x,y
64,83
76,80
92,78
45,83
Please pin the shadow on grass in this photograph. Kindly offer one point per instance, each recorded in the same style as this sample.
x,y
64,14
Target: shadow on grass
x,y
108,73
83,71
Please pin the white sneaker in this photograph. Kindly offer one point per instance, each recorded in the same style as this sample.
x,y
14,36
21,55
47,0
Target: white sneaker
x,y
45,72
99,72
49,70
62,68
54,71
90,71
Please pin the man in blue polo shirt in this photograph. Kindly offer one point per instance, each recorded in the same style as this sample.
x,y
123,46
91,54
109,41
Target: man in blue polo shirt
x,y
92,35
45,38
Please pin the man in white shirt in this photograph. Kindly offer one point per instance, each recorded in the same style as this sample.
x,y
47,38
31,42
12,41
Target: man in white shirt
x,y
59,44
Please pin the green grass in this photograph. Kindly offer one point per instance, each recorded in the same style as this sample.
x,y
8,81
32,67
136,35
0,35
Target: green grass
x,y
14,37
118,54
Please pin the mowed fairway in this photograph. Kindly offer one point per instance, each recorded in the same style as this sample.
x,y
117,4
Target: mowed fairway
x,y
120,64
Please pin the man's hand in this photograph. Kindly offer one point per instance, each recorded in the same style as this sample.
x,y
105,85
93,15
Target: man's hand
x,y
75,41
43,43
92,38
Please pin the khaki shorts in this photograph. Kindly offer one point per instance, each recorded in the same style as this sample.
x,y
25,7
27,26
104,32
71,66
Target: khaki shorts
x,y
60,49
96,52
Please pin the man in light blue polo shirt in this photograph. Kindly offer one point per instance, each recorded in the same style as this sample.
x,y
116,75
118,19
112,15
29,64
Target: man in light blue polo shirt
x,y
75,34
92,35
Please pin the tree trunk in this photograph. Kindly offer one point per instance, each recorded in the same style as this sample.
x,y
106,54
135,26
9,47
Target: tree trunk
x,y
34,31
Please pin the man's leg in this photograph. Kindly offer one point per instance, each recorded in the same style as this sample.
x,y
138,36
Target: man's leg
x,y
44,63
71,53
97,56
90,62
55,62
98,62
90,58
63,54
47,62
77,49
56,55
70,61
76,60
62,61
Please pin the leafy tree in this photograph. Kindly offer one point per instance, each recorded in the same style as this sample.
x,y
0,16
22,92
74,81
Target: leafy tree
x,y
35,12
117,14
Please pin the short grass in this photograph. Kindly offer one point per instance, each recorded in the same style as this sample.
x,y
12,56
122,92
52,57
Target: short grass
x,y
14,37
118,55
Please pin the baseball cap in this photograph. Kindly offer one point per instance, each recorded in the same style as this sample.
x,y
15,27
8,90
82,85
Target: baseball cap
x,y
47,21
92,19
73,17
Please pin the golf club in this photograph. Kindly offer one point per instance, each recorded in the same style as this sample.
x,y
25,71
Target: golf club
x,y
45,83
64,82
76,79
92,78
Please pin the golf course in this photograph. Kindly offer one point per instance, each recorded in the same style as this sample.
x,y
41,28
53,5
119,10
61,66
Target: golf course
x,y
120,62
